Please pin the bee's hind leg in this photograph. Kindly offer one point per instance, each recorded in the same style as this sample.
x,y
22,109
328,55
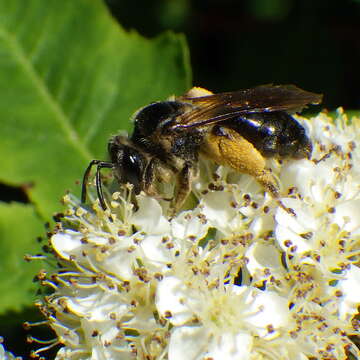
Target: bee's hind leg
x,y
227,147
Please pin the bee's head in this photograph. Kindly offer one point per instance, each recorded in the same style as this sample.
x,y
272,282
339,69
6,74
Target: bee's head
x,y
129,162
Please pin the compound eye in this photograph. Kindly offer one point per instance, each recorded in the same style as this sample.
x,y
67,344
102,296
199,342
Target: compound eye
x,y
132,167
148,118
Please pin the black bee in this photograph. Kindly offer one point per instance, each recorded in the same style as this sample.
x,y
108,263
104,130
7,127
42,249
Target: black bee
x,y
238,129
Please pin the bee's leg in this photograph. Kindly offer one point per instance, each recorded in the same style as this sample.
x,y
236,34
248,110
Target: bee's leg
x,y
99,165
149,178
227,147
85,180
183,188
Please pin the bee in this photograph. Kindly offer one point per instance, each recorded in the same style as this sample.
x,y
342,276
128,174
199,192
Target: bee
x,y
238,129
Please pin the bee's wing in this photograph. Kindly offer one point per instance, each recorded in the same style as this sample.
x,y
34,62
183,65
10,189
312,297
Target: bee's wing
x,y
265,98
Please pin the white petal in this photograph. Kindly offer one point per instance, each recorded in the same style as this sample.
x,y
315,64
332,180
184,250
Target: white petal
x,y
298,173
120,263
67,243
170,297
263,256
231,347
270,309
96,305
155,251
350,288
149,217
217,208
187,225
290,227
347,215
5,355
188,343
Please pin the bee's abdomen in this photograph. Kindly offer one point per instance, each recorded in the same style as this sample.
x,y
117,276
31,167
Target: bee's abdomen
x,y
274,134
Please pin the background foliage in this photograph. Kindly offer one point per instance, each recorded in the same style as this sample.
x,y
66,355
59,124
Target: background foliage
x,y
241,43
70,76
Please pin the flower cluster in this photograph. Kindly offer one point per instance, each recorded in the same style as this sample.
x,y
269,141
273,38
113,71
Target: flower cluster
x,y
6,355
235,277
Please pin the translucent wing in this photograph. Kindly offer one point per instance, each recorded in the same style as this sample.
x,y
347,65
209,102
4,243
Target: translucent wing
x,y
206,110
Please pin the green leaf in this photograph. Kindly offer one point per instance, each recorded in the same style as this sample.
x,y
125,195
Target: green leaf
x,y
71,77
18,224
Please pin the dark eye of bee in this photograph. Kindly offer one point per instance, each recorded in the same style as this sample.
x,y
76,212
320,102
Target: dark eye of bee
x,y
149,117
130,163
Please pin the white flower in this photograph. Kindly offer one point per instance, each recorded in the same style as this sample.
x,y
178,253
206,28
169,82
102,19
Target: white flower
x,y
236,277
349,290
6,355
229,311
